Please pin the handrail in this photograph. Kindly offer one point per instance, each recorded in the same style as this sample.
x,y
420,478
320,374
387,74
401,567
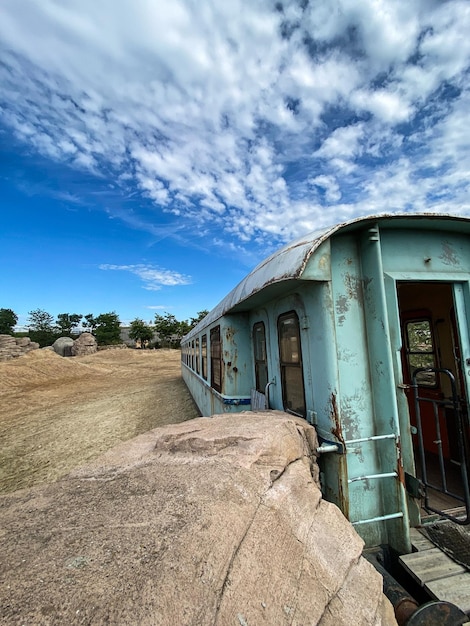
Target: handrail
x,y
464,462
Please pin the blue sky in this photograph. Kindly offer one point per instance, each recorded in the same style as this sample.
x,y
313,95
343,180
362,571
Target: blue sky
x,y
151,154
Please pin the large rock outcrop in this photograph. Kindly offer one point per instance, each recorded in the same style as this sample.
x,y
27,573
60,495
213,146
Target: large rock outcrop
x,y
63,346
215,521
12,347
84,344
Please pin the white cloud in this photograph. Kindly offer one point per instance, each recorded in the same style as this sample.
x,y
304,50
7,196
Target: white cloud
x,y
158,307
240,118
343,143
329,185
387,105
152,277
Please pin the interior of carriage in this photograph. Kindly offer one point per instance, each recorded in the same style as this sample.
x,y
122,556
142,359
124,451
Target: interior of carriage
x,y
437,397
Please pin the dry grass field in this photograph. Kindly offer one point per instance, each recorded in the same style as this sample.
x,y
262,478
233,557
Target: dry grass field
x,y
57,413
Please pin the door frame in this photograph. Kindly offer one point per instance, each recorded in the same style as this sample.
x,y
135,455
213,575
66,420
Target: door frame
x,y
461,296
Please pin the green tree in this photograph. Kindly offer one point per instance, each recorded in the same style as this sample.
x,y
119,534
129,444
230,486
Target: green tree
x,y
66,322
90,322
41,327
168,328
8,319
184,328
107,329
195,320
140,331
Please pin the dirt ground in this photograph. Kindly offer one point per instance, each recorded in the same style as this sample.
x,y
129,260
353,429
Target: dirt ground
x,y
57,413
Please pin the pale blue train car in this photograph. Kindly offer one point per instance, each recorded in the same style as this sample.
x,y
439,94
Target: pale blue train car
x,y
363,330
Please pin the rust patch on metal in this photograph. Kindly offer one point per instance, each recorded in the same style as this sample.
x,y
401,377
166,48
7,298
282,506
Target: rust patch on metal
x,y
343,499
336,430
400,470
342,486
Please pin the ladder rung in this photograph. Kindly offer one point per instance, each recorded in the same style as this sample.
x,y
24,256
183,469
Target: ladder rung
x,y
373,438
387,475
382,518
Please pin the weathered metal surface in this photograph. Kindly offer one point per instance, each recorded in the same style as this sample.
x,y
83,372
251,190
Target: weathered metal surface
x,y
438,614
343,284
407,610
290,262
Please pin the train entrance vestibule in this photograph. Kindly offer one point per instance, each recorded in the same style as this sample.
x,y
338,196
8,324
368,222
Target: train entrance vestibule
x,y
434,351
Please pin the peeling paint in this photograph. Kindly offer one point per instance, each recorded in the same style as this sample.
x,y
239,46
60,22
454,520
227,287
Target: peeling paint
x,y
342,305
324,262
353,286
448,256
347,356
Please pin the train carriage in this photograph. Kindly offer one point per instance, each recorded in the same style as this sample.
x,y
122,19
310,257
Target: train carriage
x,y
363,330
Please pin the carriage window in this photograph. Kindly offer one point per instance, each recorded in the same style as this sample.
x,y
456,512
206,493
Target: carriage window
x,y
261,366
216,359
204,356
290,356
420,351
197,355
192,354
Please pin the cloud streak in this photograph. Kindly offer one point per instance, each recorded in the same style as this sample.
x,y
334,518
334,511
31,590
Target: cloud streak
x,y
153,278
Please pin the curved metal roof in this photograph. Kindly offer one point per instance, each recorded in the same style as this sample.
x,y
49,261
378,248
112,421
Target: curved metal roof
x,y
289,262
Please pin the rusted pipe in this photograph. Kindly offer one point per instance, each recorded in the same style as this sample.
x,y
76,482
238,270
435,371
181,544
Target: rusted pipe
x,y
403,604
407,610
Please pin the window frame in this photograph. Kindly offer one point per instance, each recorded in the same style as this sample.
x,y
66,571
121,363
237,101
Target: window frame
x,y
260,363
289,367
216,358
419,319
204,356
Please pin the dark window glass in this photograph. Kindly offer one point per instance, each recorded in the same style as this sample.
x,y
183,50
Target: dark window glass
x,y
216,359
261,366
204,356
420,350
197,355
290,356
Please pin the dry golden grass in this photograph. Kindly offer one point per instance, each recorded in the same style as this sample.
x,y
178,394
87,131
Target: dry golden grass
x,y
56,413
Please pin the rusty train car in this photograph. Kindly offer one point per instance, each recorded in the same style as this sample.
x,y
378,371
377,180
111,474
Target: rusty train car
x,y
363,329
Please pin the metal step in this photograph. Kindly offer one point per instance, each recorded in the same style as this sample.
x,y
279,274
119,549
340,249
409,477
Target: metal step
x,y
440,576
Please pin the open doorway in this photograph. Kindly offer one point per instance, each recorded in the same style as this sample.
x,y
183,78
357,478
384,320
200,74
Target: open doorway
x,y
437,396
